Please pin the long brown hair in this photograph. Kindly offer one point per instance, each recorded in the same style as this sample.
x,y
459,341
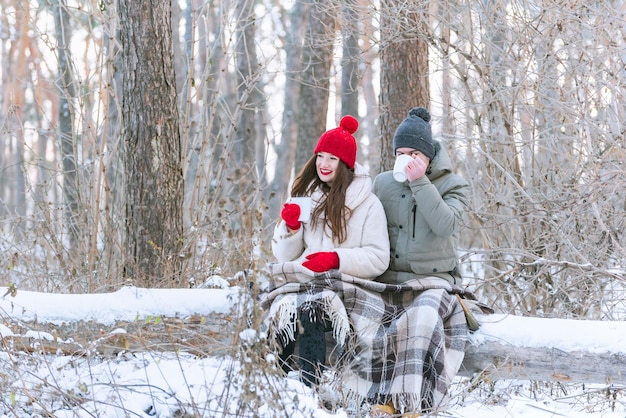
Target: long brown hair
x,y
333,202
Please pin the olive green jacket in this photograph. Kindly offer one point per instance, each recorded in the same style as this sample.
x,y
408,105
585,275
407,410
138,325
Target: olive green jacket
x,y
424,218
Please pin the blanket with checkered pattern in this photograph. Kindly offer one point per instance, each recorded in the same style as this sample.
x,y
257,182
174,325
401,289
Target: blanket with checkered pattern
x,y
399,342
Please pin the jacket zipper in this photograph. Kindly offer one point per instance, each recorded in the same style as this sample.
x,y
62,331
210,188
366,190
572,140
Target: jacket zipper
x,y
414,211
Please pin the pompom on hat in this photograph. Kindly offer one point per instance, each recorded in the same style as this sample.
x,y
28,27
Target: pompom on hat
x,y
414,132
339,141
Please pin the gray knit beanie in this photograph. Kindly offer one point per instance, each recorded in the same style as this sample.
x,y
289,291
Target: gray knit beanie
x,y
414,132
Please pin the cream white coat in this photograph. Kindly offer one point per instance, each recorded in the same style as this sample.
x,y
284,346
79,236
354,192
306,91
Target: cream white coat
x,y
365,252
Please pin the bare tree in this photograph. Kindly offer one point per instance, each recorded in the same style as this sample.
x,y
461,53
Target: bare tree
x,y
315,79
249,149
369,60
535,121
404,76
286,150
351,58
14,107
65,129
153,162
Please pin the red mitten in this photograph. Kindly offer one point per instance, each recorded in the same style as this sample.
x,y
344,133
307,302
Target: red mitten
x,y
290,214
324,261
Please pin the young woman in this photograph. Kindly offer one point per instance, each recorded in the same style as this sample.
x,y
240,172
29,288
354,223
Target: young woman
x,y
346,233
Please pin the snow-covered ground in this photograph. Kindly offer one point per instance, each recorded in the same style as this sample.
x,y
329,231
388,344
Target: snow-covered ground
x,y
150,384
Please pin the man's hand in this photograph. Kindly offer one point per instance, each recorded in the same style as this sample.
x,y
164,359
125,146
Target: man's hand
x,y
415,169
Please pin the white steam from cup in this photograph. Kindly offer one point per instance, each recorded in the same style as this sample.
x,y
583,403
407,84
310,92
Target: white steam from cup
x,y
399,168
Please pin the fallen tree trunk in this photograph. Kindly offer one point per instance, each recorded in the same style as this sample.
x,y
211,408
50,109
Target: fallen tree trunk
x,y
210,335
501,361
543,349
505,346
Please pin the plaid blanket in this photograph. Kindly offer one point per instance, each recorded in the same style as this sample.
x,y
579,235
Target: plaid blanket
x,y
400,342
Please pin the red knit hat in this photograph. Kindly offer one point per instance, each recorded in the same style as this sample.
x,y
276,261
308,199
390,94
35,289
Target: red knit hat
x,y
340,142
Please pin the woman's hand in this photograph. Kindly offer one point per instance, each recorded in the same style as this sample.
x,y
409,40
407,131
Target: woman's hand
x,y
290,214
323,261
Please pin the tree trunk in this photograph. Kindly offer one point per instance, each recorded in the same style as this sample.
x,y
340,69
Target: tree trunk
x,y
403,69
65,129
315,80
286,150
112,196
506,347
153,163
368,124
350,60
243,147
250,98
13,115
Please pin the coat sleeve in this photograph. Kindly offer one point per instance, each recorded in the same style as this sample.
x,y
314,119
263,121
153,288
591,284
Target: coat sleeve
x,y
371,258
287,246
443,212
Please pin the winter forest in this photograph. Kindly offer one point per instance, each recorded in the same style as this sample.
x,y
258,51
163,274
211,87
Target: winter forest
x,y
152,143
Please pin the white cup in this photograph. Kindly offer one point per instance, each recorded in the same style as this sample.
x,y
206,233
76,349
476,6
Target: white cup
x,y
305,207
399,168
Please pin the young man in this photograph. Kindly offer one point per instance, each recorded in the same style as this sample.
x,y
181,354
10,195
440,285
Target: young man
x,y
427,333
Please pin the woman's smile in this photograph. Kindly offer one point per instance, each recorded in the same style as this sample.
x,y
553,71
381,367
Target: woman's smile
x,y
326,164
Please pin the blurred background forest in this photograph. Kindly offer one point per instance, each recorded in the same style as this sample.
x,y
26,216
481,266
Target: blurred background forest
x,y
527,95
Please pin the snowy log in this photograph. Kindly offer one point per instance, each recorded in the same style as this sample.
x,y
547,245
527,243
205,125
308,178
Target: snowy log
x,y
548,349
200,321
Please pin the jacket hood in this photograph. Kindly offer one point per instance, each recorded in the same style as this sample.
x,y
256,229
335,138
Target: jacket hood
x,y
441,163
360,188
